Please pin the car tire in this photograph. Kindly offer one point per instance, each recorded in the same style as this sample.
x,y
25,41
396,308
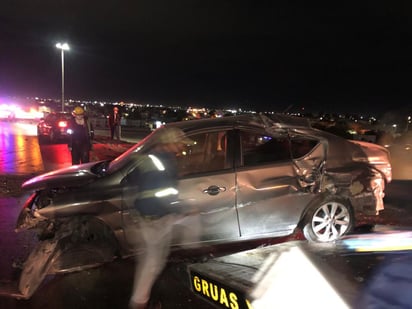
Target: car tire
x,y
328,220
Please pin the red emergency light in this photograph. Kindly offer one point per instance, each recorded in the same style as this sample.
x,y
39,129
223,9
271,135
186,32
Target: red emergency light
x,y
62,124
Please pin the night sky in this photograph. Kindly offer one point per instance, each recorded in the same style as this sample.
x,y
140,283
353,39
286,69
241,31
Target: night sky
x,y
266,55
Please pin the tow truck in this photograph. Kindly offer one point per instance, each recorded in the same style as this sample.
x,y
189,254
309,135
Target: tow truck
x,y
299,273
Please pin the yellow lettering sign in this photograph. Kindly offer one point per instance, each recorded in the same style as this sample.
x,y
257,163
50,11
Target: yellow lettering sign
x,y
225,297
214,292
205,288
196,283
233,301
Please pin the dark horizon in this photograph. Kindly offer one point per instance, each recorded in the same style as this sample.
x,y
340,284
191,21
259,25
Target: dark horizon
x,y
263,56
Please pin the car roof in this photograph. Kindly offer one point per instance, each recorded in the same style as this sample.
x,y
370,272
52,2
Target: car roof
x,y
261,121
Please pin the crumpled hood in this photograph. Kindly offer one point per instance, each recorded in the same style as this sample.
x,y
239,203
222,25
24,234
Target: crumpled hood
x,y
76,175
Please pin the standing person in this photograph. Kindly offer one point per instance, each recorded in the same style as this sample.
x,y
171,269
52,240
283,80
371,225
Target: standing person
x,y
114,123
81,136
155,180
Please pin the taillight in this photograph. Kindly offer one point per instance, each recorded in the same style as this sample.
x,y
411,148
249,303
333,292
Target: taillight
x,y
62,124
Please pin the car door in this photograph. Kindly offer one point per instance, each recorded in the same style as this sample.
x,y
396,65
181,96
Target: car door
x,y
207,189
206,193
270,199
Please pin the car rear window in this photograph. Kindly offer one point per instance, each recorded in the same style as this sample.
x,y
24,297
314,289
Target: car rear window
x,y
263,149
300,147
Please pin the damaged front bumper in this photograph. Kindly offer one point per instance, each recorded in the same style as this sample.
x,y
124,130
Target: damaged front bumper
x,y
29,217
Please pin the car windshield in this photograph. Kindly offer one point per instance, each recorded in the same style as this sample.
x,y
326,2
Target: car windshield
x,y
125,158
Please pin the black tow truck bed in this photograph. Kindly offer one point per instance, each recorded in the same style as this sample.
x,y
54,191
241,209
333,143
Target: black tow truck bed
x,y
292,274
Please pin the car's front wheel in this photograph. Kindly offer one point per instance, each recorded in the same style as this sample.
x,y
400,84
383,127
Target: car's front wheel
x,y
328,220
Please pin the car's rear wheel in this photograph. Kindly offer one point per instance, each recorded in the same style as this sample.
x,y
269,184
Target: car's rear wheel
x,y
328,220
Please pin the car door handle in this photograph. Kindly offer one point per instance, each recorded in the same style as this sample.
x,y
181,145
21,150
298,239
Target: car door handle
x,y
214,190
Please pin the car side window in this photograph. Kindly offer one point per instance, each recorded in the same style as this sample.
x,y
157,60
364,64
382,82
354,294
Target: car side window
x,y
207,154
301,146
263,149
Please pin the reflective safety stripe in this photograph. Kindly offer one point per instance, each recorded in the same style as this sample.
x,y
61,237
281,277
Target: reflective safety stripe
x,y
166,192
159,165
157,192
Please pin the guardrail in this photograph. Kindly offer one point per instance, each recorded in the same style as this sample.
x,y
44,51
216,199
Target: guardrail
x,y
102,123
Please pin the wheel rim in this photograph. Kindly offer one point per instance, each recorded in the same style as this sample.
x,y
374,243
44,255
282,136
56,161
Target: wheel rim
x,y
330,221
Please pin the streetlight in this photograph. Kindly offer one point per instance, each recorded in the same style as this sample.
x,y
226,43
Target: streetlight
x,y
63,47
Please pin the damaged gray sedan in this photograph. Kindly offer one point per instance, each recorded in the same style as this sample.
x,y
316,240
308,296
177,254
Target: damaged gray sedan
x,y
245,177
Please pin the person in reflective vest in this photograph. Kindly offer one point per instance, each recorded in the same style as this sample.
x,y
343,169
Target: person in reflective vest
x,y
81,136
156,204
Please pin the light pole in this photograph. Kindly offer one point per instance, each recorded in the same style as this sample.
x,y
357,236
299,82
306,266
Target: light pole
x,y
63,47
